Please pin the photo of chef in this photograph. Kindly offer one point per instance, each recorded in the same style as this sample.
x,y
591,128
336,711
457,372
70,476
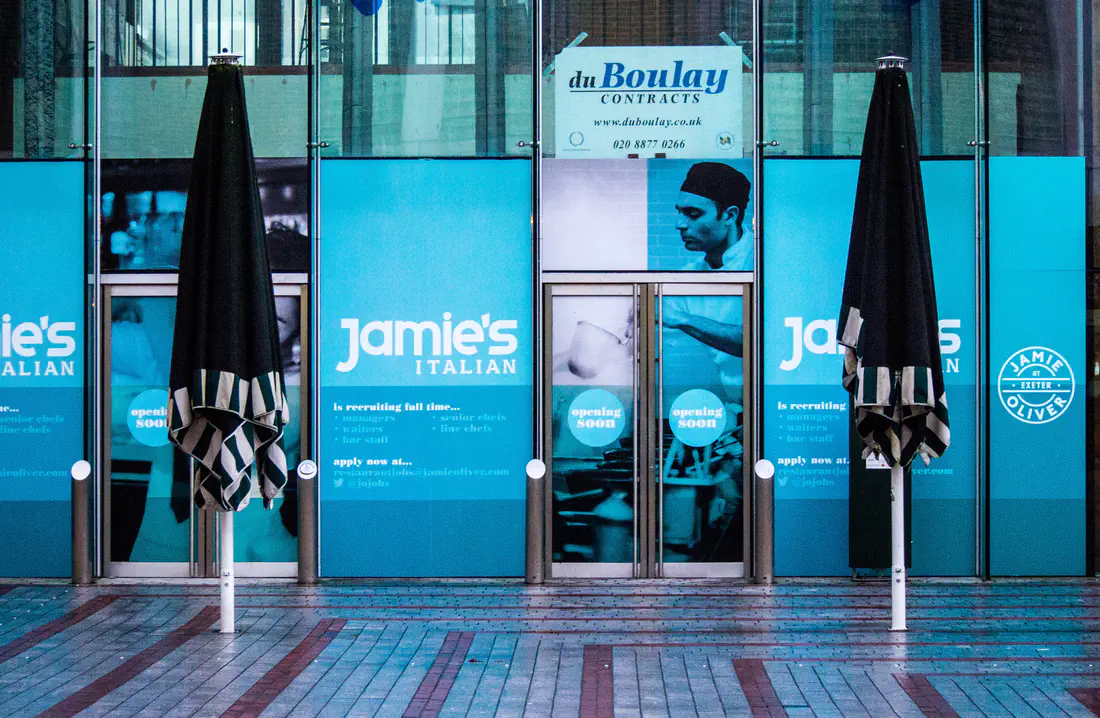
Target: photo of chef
x,y
703,480
144,202
700,215
647,214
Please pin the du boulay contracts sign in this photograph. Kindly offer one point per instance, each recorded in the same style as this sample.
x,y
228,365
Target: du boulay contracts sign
x,y
648,102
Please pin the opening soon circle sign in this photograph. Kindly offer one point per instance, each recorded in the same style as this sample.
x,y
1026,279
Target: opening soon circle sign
x,y
147,417
596,417
697,417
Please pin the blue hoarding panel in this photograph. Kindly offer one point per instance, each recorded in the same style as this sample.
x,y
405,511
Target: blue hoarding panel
x,y
41,362
806,418
426,366
1037,367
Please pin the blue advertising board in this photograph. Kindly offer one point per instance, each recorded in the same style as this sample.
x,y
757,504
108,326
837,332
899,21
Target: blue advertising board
x,y
41,362
1037,366
426,366
806,413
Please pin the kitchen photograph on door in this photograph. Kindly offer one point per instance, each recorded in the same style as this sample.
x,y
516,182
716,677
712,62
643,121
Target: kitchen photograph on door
x,y
657,214
592,425
702,410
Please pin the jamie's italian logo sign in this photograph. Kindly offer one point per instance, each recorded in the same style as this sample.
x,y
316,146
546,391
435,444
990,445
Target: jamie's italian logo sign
x,y
1036,385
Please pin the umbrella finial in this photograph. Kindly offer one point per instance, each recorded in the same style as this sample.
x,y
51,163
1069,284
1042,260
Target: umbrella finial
x,y
892,60
225,57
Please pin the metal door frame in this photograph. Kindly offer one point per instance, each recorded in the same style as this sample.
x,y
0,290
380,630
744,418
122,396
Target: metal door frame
x,y
203,547
647,290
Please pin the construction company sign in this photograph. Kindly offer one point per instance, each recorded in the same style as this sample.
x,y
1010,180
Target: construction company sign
x,y
648,102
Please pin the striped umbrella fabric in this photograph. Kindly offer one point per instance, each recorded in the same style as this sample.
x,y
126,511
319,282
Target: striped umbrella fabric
x,y
888,320
227,405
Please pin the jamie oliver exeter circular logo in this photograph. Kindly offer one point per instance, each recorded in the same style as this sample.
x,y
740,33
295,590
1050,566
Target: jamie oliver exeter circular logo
x,y
1036,385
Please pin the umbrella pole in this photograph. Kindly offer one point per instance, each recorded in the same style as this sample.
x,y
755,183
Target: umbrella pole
x,y
897,548
225,562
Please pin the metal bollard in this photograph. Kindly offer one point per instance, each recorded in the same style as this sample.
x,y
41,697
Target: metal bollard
x,y
307,523
81,508
764,486
536,519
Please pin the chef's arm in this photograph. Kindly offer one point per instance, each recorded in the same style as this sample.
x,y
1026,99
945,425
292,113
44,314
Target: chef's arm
x,y
728,338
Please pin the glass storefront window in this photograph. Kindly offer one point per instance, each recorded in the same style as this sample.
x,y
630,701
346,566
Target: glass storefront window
x,y
454,78
440,78
42,71
624,24
1034,78
154,59
819,65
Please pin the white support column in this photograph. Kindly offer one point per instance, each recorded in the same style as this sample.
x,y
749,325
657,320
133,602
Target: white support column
x,y
897,548
225,563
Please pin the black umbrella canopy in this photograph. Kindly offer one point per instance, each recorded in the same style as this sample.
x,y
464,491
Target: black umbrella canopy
x,y
888,319
227,405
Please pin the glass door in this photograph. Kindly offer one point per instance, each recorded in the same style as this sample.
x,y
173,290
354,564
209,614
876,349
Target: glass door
x,y
148,515
702,352
593,424
645,405
150,525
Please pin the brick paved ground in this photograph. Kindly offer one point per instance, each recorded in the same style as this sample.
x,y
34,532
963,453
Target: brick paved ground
x,y
579,648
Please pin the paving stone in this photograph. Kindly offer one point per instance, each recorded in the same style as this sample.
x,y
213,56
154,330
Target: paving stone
x,y
820,647
544,679
490,687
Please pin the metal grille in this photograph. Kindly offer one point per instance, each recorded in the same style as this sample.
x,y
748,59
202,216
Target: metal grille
x,y
176,33
173,33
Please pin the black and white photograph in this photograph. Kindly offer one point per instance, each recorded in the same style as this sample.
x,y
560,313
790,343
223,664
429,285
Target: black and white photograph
x,y
647,214
144,201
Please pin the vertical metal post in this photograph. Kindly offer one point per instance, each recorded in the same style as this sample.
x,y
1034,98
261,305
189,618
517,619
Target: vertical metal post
x,y
315,146
897,548
228,585
764,541
358,82
817,85
648,497
82,565
659,413
536,520
981,545
927,69
755,352
636,458
538,297
98,317
307,523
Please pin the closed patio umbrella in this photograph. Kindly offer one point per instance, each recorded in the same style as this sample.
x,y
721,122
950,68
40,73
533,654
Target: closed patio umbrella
x,y
226,404
888,320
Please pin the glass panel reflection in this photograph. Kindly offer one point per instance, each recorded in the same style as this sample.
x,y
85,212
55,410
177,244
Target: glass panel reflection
x,y
592,423
819,65
442,78
43,66
702,413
